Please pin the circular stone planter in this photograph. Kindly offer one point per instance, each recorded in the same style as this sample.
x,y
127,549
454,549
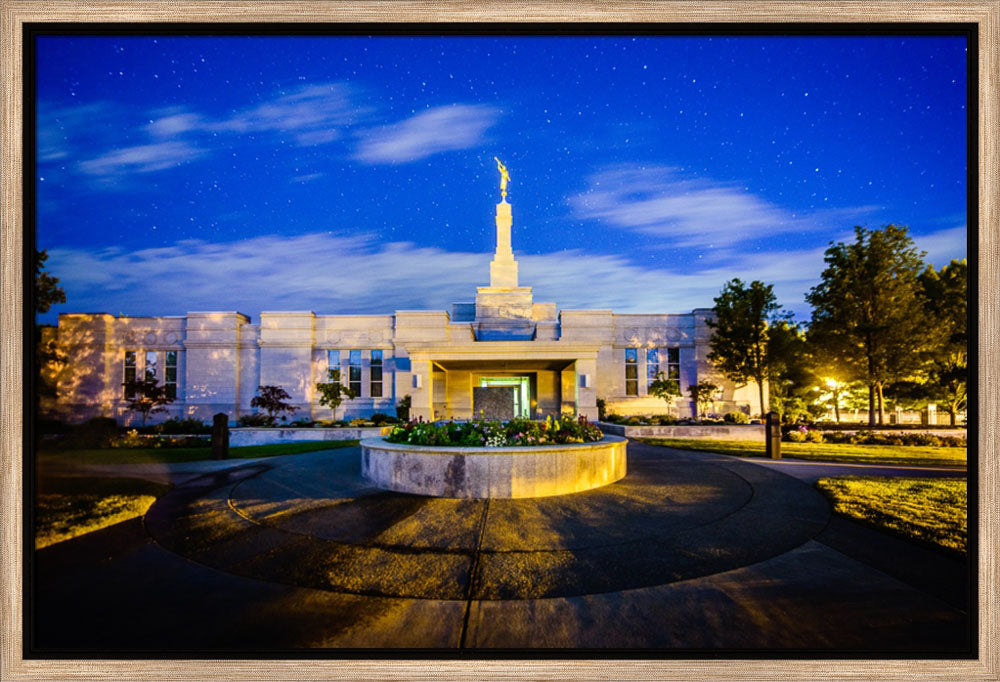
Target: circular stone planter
x,y
508,472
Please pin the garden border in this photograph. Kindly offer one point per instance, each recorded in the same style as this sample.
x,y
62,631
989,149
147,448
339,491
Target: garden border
x,y
493,472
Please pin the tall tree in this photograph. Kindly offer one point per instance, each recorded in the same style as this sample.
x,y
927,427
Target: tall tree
x,y
869,315
47,289
738,347
791,376
47,355
946,295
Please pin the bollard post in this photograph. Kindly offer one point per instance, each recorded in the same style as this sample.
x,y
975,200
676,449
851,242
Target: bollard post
x,y
773,435
220,436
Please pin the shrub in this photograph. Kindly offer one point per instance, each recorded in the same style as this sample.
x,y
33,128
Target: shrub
x,y
378,419
52,426
926,439
183,442
332,423
182,426
601,409
814,437
796,436
873,438
665,420
131,439
255,420
736,418
97,432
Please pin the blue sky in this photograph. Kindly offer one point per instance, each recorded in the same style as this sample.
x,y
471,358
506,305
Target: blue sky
x,y
356,174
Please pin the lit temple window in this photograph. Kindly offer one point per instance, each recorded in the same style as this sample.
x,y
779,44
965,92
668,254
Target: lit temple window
x,y
375,385
631,371
355,372
129,373
673,363
170,374
652,365
150,372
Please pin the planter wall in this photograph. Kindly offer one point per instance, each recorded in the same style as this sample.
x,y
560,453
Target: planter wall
x,y
510,472
752,432
267,436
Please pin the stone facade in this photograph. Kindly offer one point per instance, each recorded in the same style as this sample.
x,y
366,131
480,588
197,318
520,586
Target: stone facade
x,y
216,360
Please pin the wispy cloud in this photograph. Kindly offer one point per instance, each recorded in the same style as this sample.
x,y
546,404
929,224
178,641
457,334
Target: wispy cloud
x,y
687,211
309,115
295,273
312,115
943,246
141,158
441,129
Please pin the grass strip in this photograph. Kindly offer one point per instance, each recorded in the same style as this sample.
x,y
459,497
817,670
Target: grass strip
x,y
910,455
67,507
169,455
929,510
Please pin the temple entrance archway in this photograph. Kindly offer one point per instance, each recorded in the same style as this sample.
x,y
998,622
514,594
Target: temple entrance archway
x,y
518,393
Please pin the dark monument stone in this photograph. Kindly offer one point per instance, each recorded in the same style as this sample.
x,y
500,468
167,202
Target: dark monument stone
x,y
220,436
495,402
772,435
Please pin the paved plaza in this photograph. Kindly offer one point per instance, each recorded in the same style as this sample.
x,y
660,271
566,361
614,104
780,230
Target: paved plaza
x,y
689,551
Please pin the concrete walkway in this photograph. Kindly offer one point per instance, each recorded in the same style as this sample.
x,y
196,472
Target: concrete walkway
x,y
690,551
811,471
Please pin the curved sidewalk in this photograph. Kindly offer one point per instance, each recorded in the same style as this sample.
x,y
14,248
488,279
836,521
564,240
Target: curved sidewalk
x,y
689,551
811,471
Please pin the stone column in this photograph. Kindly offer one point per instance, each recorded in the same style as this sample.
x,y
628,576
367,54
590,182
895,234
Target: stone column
x,y
567,390
586,396
422,396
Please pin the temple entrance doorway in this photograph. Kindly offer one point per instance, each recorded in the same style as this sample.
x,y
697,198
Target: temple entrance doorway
x,y
518,391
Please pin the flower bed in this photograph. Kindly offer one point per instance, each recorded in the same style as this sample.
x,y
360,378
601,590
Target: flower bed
x,y
481,433
493,471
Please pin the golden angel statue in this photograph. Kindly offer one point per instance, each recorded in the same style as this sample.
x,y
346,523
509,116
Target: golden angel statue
x,y
504,177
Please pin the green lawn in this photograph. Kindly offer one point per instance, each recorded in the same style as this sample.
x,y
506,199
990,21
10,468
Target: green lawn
x,y
826,452
166,455
929,510
74,505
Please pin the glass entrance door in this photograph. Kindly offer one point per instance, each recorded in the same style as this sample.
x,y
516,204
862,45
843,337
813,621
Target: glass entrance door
x,y
521,395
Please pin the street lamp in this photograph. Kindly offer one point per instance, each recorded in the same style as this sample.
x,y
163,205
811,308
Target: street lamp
x,y
835,387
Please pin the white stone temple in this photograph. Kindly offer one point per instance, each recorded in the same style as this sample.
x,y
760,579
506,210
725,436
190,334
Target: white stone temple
x,y
557,361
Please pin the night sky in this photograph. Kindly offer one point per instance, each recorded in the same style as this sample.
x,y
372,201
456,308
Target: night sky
x,y
356,175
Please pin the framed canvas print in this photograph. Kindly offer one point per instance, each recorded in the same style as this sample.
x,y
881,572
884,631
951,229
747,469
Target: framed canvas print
x,y
469,340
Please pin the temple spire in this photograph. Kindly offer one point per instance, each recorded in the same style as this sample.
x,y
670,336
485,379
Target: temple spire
x,y
503,267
